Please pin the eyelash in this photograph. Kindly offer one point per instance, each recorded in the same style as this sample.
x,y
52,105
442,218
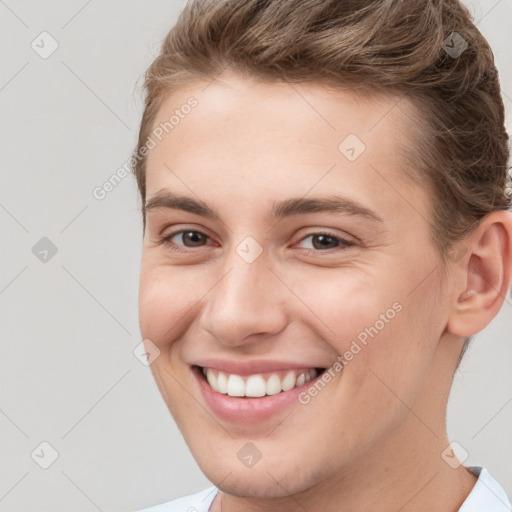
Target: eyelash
x,y
166,240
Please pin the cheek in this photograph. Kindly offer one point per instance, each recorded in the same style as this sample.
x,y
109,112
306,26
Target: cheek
x,y
377,325
352,308
166,297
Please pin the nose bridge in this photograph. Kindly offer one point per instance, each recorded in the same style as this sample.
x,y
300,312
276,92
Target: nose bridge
x,y
244,301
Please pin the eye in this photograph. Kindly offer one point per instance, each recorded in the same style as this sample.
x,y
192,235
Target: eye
x,y
189,238
184,239
320,241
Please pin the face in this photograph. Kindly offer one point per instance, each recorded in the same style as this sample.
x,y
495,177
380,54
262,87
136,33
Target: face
x,y
286,256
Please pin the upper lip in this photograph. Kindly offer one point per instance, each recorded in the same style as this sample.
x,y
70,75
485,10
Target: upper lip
x,y
251,367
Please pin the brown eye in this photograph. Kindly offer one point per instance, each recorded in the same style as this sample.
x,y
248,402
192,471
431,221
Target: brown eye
x,y
320,241
189,239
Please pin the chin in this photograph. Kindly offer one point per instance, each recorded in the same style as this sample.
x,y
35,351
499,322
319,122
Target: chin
x,y
277,478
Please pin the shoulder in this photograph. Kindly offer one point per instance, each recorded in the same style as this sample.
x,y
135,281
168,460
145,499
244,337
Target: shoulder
x,y
198,502
487,494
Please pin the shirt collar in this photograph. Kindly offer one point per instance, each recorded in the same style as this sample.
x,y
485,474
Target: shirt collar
x,y
487,494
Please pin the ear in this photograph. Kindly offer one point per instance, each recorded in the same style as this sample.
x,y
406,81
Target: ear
x,y
482,275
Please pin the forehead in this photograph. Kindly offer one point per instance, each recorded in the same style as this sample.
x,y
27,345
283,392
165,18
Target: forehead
x,y
305,111
276,138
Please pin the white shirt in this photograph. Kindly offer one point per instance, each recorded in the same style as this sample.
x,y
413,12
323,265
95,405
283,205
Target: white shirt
x,y
486,496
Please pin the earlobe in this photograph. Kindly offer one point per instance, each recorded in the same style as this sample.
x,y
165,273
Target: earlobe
x,y
482,278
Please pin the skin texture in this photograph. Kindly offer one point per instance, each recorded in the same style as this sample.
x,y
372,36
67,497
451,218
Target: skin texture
x,y
373,438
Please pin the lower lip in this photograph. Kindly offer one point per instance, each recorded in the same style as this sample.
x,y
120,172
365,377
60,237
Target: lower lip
x,y
247,410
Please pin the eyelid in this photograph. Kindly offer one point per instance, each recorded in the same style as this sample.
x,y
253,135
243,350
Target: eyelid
x,y
345,237
166,238
344,242
173,231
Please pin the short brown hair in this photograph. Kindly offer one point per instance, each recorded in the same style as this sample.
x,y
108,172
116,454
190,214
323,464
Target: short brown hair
x,y
382,46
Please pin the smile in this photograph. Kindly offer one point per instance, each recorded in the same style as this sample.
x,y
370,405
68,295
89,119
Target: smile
x,y
260,384
252,391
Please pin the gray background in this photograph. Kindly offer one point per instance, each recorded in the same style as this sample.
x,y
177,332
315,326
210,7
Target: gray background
x,y
69,325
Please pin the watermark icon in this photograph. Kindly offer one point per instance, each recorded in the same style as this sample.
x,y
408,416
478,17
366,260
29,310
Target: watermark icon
x,y
101,191
146,352
456,252
44,455
351,147
44,250
249,455
44,45
248,249
355,348
454,45
454,455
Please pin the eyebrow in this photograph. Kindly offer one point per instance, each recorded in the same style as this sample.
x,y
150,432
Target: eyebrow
x,y
280,209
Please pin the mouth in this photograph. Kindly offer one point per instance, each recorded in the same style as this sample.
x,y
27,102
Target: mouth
x,y
257,385
252,392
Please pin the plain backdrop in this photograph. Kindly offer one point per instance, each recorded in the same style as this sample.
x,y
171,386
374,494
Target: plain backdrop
x,y
70,264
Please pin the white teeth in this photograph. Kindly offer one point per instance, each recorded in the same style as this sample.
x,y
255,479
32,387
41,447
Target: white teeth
x,y
236,385
222,383
273,384
256,385
212,379
289,381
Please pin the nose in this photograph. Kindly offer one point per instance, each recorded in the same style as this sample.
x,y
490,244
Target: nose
x,y
247,305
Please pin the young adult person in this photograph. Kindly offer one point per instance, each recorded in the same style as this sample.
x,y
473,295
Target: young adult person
x,y
326,224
